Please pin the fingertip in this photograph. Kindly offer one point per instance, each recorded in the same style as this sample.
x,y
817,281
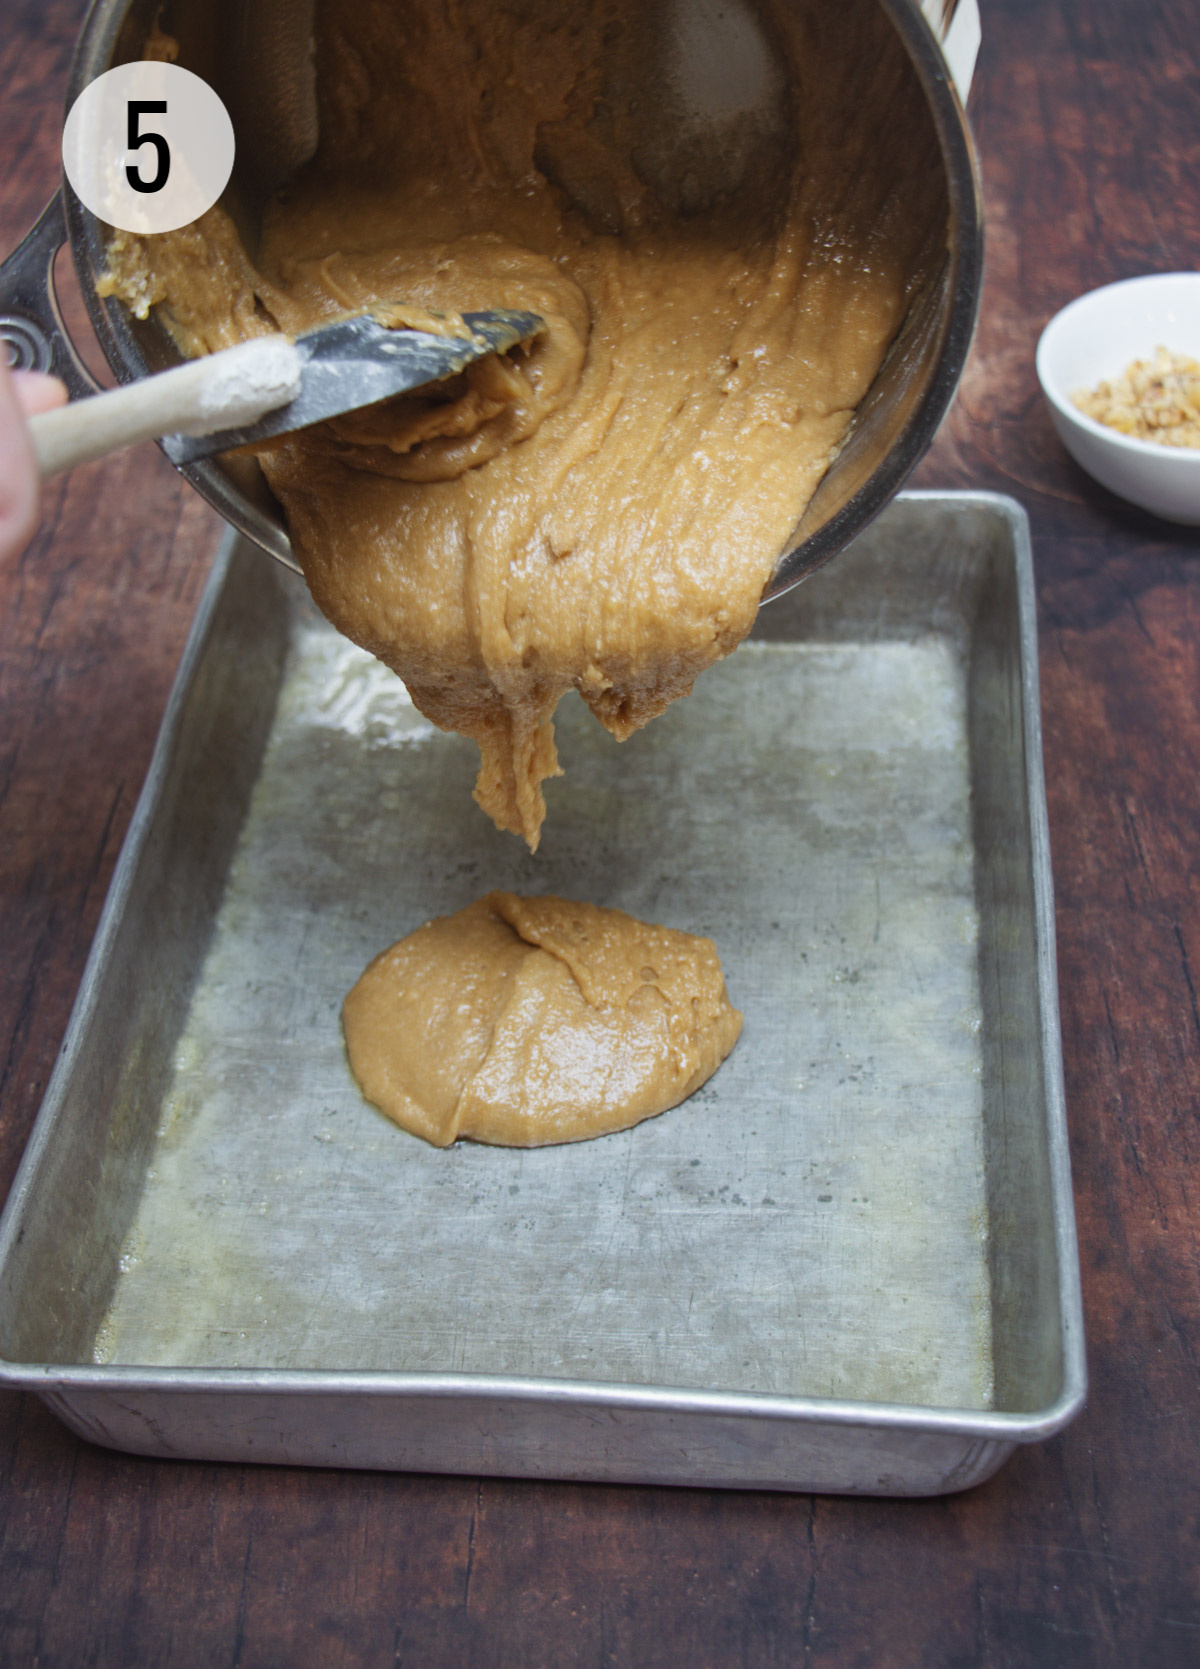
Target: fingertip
x,y
37,392
18,469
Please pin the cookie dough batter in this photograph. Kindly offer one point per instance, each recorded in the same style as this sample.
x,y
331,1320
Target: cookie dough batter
x,y
522,1021
722,214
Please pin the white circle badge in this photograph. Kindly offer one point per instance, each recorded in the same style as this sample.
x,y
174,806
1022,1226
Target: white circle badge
x,y
148,147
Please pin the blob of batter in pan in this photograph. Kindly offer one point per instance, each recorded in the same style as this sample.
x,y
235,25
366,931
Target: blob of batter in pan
x,y
524,1021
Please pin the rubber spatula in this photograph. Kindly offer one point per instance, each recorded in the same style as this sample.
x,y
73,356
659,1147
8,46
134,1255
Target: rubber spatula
x,y
268,386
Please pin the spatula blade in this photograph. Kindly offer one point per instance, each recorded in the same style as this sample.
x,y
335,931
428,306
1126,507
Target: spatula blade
x,y
356,362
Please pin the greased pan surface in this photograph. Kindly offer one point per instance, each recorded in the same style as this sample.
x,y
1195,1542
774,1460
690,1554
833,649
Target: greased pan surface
x,y
848,1263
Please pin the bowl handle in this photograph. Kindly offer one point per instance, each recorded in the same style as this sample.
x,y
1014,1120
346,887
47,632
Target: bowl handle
x,y
32,331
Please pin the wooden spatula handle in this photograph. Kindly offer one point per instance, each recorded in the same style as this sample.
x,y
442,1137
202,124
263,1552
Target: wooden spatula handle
x,y
224,390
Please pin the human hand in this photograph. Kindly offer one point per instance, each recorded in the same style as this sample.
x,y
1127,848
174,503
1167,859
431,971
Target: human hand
x,y
22,394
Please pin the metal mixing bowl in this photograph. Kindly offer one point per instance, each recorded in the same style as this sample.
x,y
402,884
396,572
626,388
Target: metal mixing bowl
x,y
257,54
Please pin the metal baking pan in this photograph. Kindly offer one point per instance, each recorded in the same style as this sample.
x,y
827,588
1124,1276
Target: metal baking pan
x,y
847,1264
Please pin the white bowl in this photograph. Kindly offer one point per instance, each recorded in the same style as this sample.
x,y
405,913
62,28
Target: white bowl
x,y
1095,338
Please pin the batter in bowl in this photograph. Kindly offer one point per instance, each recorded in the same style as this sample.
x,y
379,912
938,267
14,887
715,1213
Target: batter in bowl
x,y
600,509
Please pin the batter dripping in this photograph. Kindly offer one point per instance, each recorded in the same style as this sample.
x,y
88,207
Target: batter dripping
x,y
601,510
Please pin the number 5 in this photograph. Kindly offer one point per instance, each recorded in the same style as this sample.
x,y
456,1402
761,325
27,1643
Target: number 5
x,y
137,109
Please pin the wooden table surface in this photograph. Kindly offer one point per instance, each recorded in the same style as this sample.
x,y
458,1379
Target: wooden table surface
x,y
1083,1551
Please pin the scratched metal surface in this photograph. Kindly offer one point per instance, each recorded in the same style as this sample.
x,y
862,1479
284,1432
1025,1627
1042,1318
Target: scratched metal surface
x,y
814,1222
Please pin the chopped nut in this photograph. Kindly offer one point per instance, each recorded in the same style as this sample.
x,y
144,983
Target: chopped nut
x,y
1157,400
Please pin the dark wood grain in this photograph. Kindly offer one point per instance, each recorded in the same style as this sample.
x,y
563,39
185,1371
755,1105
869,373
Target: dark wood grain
x,y
1081,1552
